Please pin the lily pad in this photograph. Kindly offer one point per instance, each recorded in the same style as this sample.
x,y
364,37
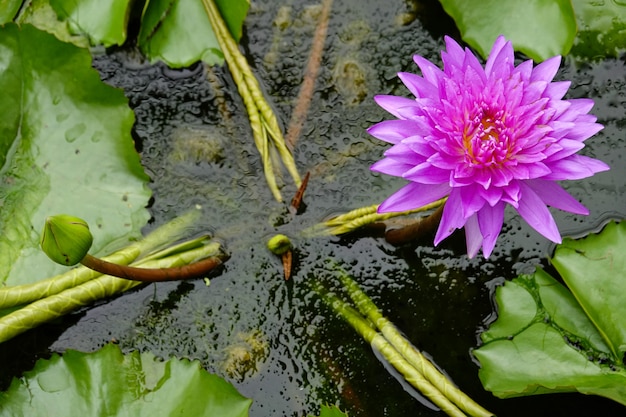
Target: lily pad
x,y
547,339
331,411
40,14
601,28
109,383
539,28
65,147
102,21
8,10
179,32
594,269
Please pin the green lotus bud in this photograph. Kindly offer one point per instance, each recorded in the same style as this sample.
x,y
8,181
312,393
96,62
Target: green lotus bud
x,y
279,244
66,239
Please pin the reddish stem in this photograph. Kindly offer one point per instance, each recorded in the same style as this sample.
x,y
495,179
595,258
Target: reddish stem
x,y
195,270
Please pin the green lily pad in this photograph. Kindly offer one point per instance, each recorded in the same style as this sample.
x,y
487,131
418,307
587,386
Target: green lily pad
x,y
179,32
40,14
547,339
331,411
102,21
539,28
601,28
8,10
109,383
65,147
594,269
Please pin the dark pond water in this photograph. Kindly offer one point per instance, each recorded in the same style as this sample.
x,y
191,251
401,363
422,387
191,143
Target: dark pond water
x,y
274,339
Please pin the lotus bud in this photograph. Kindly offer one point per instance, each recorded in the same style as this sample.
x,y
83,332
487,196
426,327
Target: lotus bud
x,y
279,244
66,239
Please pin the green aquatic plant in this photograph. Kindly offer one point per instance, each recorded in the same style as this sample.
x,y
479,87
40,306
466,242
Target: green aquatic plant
x,y
576,331
16,295
78,384
242,357
267,135
279,244
540,29
417,370
361,217
28,306
75,121
67,239
165,28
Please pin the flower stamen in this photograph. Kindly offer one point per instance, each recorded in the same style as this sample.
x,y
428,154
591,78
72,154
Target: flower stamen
x,y
485,138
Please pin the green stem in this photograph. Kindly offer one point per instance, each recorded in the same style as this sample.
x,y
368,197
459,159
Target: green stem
x,y
377,341
357,218
262,118
64,302
55,306
163,235
413,356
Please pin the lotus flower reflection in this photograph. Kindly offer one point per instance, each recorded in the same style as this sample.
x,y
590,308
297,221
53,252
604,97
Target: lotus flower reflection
x,y
486,137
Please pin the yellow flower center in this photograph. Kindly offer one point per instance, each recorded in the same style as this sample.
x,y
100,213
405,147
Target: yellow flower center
x,y
485,139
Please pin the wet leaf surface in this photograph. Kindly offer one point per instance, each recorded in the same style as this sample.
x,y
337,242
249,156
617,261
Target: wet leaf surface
x,y
539,28
179,32
547,339
101,21
601,28
109,383
55,132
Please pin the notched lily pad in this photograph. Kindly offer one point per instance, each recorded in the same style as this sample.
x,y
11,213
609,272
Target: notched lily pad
x,y
110,383
547,339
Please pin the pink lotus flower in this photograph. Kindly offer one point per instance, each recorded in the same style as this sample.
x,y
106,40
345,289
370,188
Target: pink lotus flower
x,y
486,137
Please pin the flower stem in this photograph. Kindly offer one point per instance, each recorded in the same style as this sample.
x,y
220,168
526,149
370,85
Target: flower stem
x,y
68,300
380,343
298,116
262,118
357,218
413,356
163,235
193,270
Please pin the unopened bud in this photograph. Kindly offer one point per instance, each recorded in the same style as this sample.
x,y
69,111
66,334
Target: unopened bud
x,y
66,239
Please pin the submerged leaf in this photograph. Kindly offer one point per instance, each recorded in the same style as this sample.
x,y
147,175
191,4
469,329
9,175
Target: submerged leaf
x,y
65,147
547,339
110,383
538,28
